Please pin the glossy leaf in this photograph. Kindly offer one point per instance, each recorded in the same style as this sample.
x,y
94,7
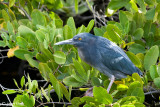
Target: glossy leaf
x,y
9,92
157,82
98,31
22,81
90,26
26,33
40,35
113,33
136,77
21,42
56,85
10,28
136,89
122,87
36,14
117,4
67,32
80,69
153,72
102,95
71,24
137,48
31,61
71,81
138,34
59,57
151,57
44,70
20,53
11,2
134,59
76,5
45,95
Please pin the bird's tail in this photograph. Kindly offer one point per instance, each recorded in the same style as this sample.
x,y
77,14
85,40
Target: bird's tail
x,y
139,71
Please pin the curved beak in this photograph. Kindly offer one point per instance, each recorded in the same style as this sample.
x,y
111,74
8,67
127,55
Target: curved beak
x,y
69,41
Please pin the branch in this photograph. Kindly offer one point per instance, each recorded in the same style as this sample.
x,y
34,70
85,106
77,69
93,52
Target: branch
x,y
66,103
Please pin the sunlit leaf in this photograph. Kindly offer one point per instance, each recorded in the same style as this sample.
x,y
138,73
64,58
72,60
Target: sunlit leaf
x,y
102,95
59,57
151,57
9,92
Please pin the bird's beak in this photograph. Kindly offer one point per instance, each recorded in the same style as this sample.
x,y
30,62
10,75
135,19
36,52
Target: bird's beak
x,y
69,41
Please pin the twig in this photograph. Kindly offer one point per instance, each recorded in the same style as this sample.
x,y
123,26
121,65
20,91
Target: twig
x,y
6,94
152,92
54,103
10,104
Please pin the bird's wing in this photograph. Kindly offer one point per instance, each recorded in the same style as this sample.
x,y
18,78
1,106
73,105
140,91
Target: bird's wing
x,y
114,58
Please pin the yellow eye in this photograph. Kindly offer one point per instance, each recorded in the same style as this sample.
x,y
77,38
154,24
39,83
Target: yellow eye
x,y
79,38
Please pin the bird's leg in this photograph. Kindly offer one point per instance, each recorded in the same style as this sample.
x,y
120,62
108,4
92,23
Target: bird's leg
x,y
111,82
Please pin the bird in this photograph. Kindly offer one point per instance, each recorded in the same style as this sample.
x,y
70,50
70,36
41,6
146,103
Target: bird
x,y
103,55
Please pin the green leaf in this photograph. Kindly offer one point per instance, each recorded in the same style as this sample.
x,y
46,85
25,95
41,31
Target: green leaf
x,y
90,26
137,48
59,57
22,81
157,82
5,16
95,81
136,77
11,2
32,62
139,18
134,59
40,35
81,29
113,33
136,89
147,28
151,57
44,70
46,52
21,42
67,32
70,81
38,18
122,87
56,85
153,72
138,34
15,82
19,53
65,91
2,44
9,92
80,69
124,21
98,31
150,14
45,95
141,3
117,4
71,24
102,95
10,28
26,33
76,6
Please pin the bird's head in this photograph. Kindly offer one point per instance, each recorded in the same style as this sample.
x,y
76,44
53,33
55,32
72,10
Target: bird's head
x,y
79,41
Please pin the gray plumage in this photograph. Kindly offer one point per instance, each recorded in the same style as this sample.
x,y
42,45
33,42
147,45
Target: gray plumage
x,y
103,55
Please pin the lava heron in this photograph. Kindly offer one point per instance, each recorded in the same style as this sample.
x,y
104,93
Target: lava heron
x,y
103,55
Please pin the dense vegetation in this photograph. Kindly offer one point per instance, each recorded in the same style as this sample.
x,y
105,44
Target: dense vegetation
x,y
29,28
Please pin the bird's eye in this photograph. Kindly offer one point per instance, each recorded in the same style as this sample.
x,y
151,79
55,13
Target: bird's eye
x,y
79,38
